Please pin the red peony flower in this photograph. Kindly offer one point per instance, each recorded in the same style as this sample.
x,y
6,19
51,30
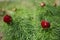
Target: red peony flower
x,y
45,24
7,19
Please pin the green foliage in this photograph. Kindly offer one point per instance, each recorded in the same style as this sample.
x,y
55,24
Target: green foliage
x,y
26,21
